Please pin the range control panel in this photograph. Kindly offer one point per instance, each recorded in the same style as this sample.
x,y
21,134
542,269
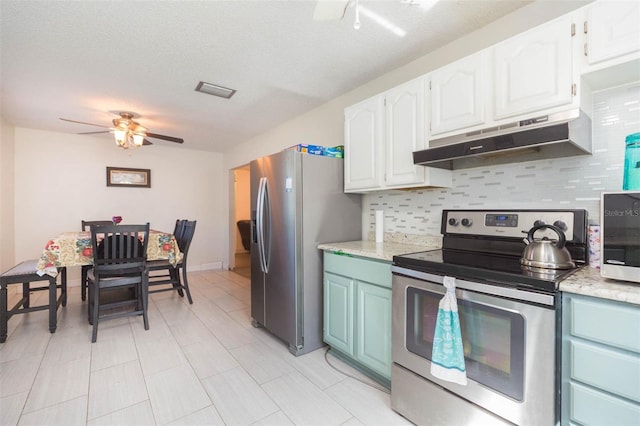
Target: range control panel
x,y
507,223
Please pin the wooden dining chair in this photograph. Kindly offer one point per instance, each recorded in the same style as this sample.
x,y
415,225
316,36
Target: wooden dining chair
x,y
179,228
85,268
172,274
119,266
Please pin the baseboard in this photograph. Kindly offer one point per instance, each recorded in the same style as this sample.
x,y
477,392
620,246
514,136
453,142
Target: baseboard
x,y
207,267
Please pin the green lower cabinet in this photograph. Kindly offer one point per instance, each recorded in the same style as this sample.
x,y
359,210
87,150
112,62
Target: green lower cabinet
x,y
338,312
373,327
357,312
600,361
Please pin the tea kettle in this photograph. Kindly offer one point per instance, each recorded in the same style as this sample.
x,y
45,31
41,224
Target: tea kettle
x,y
546,253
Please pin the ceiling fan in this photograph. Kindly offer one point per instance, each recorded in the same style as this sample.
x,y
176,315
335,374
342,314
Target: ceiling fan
x,y
330,10
128,133
335,10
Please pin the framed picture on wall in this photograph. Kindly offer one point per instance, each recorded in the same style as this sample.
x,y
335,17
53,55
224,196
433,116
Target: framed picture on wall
x,y
121,176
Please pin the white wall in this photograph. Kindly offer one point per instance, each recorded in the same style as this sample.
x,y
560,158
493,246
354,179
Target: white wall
x,y
7,217
60,179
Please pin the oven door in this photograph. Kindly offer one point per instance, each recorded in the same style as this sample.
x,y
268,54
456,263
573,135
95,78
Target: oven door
x,y
509,344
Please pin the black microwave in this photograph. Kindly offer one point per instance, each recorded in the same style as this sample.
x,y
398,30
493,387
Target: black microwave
x,y
620,235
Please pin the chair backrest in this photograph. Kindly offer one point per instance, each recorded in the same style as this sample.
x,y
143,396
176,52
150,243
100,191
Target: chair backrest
x,y
184,242
87,223
119,249
179,228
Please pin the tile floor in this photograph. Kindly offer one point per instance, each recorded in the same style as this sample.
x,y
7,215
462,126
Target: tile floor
x,y
243,264
198,364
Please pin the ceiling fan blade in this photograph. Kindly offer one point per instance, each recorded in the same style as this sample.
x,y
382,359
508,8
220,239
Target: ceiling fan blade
x,y
166,138
93,133
330,10
83,122
146,142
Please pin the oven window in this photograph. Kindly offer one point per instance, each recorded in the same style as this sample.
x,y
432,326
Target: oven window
x,y
493,340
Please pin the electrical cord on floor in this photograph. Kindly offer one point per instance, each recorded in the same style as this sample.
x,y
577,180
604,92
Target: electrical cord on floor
x,y
326,358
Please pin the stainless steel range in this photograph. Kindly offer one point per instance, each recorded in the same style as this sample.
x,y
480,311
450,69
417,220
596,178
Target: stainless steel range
x,y
509,317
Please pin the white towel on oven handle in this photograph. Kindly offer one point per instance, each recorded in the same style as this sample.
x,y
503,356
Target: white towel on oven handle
x,y
447,358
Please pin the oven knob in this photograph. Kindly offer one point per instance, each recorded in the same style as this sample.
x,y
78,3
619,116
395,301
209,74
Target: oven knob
x,y
560,224
453,221
466,222
538,222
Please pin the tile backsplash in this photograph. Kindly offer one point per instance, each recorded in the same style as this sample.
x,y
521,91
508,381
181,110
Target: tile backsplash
x,y
564,183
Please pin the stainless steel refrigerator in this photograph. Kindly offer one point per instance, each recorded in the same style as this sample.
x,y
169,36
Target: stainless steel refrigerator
x,y
297,202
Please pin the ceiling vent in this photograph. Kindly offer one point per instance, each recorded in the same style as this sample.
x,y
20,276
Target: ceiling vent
x,y
215,90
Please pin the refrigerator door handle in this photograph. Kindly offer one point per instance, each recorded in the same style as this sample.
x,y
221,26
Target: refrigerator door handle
x,y
260,221
266,226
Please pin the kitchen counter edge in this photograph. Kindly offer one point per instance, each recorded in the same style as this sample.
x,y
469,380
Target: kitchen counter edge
x,y
585,281
588,282
378,251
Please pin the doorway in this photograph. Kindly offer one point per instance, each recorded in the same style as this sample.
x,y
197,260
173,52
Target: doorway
x,y
242,204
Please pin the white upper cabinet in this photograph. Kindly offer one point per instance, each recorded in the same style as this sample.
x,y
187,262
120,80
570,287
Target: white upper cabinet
x,y
363,145
612,29
458,94
381,134
534,70
404,133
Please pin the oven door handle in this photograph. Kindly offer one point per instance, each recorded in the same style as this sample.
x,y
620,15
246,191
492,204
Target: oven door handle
x,y
494,290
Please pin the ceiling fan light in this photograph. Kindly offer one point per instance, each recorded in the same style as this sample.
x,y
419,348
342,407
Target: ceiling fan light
x,y
138,139
121,137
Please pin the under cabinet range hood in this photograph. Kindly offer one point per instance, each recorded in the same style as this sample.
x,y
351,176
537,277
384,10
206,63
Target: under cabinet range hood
x,y
551,136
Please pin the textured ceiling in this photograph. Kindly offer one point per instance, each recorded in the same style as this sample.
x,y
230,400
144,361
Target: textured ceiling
x,y
81,60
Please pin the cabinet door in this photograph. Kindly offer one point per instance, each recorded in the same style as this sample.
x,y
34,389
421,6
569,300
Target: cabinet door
x,y
338,312
373,327
600,361
612,30
533,71
458,94
404,133
363,144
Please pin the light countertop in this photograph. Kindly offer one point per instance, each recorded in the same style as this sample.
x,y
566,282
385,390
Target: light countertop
x,y
585,281
588,282
379,251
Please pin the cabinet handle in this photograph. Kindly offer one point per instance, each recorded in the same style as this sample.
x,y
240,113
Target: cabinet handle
x,y
573,29
586,49
585,27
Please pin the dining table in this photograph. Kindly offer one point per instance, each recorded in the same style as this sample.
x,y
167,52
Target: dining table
x,y
73,248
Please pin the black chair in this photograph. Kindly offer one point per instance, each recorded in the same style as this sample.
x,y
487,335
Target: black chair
x,y
85,268
179,228
25,273
161,265
244,227
119,275
172,275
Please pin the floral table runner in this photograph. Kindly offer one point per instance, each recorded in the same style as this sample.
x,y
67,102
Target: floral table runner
x,y
74,249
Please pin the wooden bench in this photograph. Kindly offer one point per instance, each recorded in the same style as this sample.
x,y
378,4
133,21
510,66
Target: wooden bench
x,y
26,273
